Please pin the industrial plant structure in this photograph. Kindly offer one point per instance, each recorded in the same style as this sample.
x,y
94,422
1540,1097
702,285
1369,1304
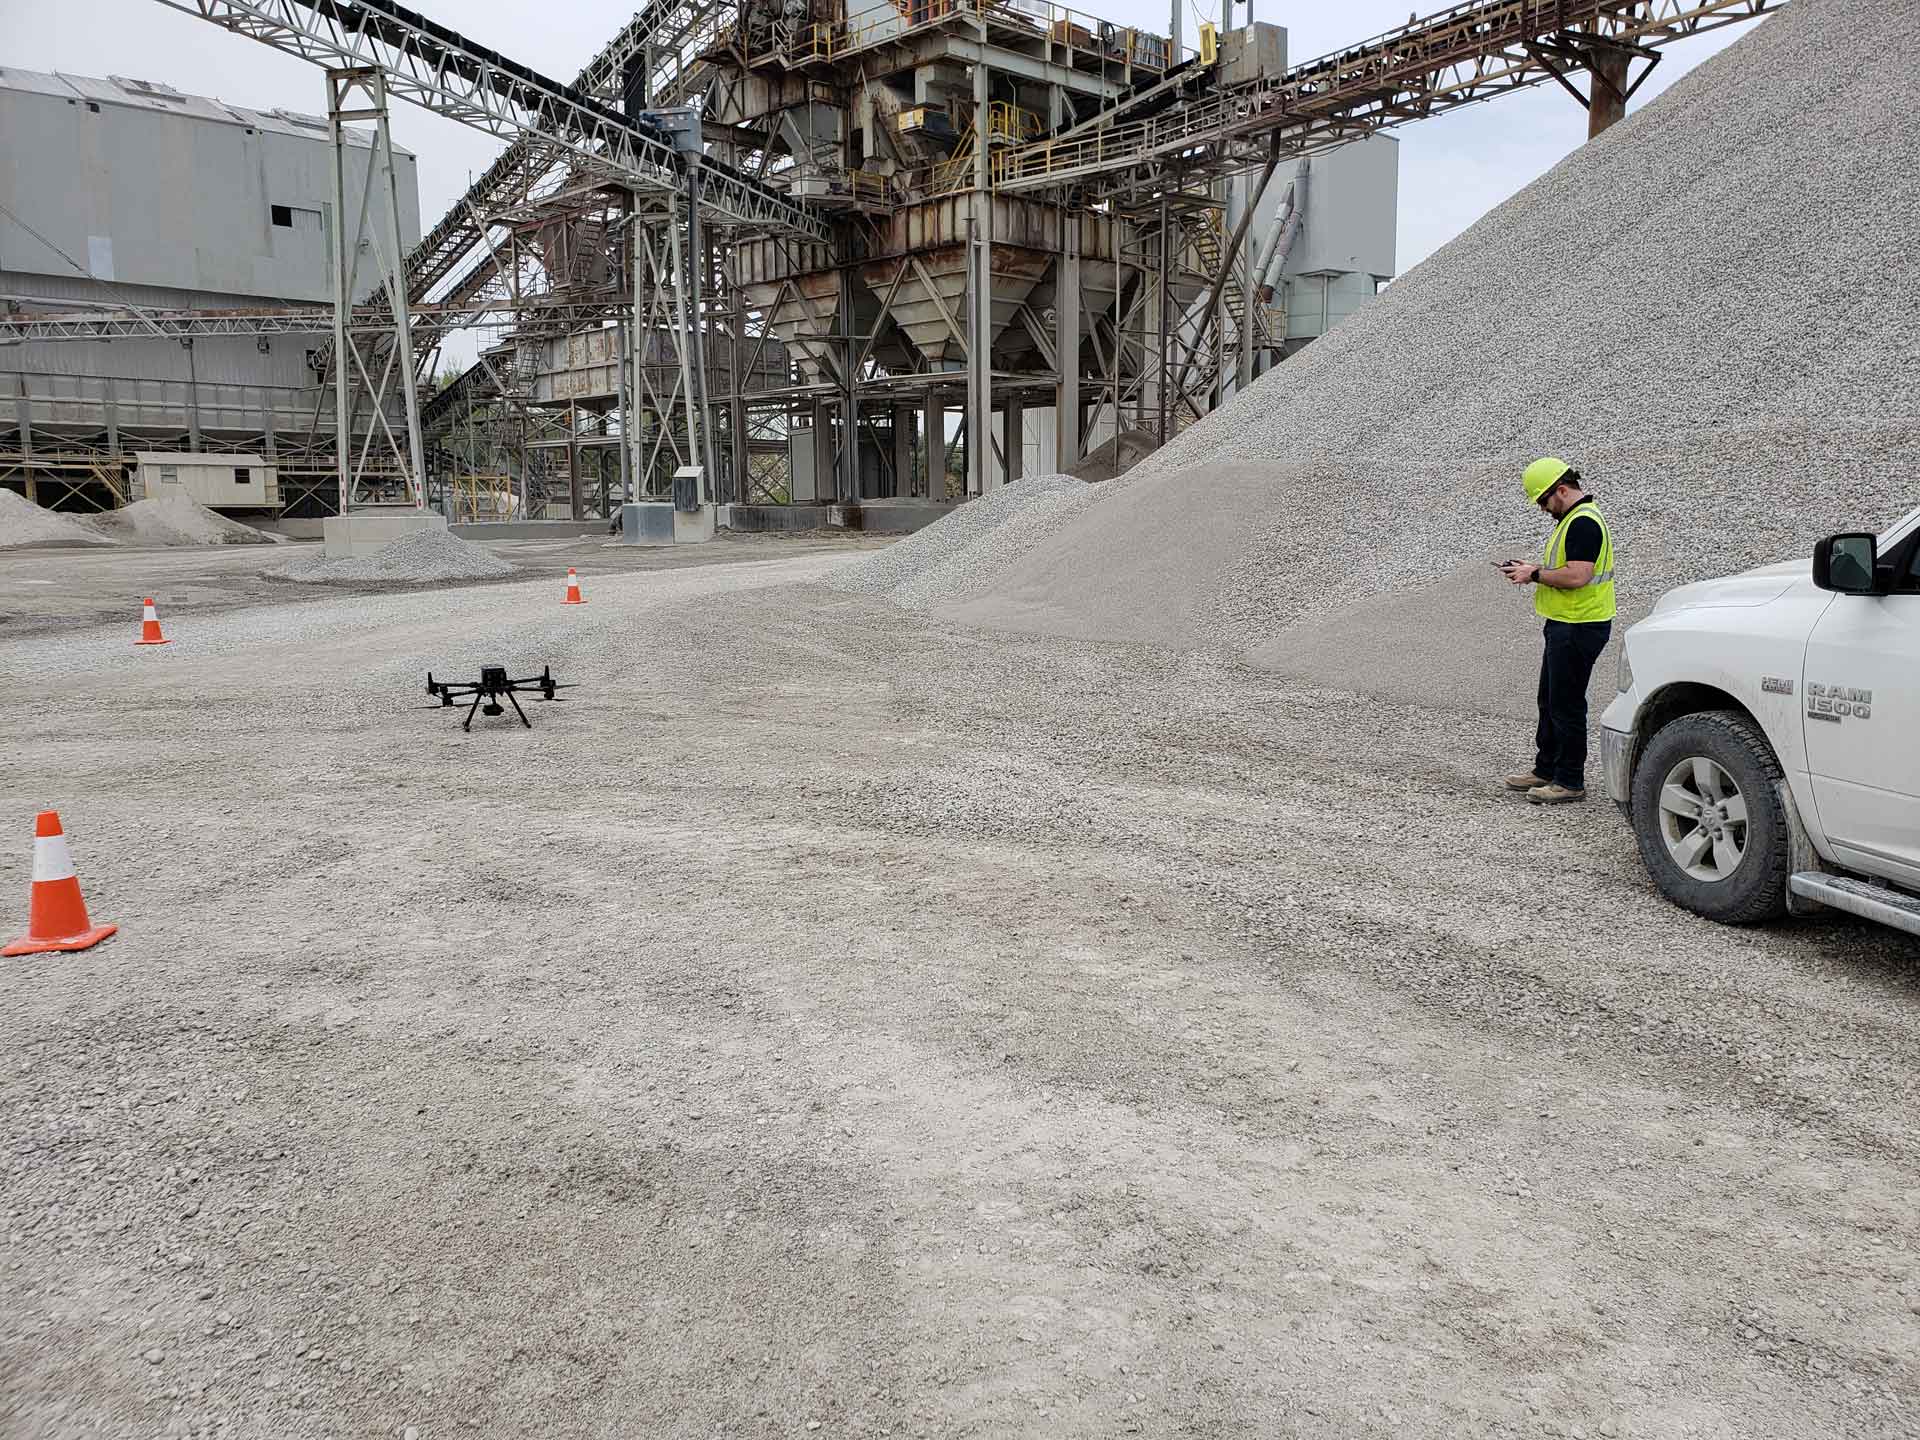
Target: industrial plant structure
x,y
823,253
134,198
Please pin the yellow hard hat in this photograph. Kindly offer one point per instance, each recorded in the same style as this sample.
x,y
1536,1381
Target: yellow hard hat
x,y
1542,475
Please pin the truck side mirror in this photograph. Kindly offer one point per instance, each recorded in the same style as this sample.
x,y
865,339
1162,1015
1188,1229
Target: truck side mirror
x,y
1847,564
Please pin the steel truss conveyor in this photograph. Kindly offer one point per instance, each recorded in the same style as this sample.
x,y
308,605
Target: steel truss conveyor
x,y
665,25
436,68
1194,128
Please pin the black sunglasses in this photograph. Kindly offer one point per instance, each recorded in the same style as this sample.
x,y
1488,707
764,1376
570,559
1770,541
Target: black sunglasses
x,y
1572,477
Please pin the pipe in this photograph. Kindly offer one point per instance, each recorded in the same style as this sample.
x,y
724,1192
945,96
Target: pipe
x,y
1282,215
1289,234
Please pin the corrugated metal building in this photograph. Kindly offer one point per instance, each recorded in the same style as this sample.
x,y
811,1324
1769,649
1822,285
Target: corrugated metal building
x,y
127,191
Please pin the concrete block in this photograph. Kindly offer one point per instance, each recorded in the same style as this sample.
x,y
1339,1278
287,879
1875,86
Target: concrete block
x,y
485,530
647,523
762,519
693,527
657,522
900,517
364,531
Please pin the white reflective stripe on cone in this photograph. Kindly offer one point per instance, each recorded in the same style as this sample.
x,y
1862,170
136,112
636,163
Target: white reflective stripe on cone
x,y
51,859
147,612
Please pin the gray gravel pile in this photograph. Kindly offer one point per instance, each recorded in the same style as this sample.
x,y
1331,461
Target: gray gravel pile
x,y
24,524
1701,310
424,557
175,520
962,553
1051,504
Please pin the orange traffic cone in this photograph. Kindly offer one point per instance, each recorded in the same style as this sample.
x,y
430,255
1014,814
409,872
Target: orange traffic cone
x,y
573,589
150,625
56,914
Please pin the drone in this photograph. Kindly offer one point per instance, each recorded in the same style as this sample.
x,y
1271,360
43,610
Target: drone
x,y
493,686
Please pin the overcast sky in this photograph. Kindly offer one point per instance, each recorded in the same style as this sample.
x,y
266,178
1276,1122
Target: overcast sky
x,y
1452,169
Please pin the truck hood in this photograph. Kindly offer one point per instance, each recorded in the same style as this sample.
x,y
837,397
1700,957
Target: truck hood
x,y
1748,588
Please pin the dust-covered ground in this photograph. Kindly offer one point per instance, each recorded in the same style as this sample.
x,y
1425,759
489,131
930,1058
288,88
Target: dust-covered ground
x,y
827,1022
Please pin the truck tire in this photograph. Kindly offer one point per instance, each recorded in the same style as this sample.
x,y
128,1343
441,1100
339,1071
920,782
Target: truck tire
x,y
1708,818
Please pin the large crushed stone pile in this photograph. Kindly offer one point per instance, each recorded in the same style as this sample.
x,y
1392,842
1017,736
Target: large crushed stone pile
x,y
1707,310
962,554
423,557
175,520
24,524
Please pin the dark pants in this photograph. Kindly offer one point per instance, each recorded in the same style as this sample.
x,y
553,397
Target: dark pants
x,y
1560,745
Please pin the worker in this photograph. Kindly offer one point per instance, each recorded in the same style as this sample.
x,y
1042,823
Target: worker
x,y
1573,594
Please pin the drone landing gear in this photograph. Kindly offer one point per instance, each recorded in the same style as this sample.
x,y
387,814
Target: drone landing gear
x,y
493,707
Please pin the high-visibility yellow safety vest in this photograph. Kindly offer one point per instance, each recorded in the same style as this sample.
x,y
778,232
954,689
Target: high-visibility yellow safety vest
x,y
1592,601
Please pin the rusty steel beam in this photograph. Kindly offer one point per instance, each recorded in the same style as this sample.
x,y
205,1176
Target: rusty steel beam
x,y
1462,56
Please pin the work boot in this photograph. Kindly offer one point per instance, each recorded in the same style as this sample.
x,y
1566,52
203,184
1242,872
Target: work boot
x,y
1554,795
1528,781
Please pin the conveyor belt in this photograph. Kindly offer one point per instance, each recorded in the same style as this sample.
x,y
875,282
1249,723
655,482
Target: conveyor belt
x,y
437,68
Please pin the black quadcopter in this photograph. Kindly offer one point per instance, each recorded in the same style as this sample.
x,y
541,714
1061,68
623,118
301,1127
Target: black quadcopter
x,y
493,686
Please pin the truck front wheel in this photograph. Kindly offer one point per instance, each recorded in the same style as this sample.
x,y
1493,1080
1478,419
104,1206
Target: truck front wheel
x,y
1707,814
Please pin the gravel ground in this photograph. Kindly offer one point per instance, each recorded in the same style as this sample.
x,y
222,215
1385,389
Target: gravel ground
x,y
176,520
825,1020
1733,387
424,557
23,524
104,585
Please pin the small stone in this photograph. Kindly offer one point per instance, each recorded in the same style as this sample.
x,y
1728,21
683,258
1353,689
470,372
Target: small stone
x,y
154,1357
412,1432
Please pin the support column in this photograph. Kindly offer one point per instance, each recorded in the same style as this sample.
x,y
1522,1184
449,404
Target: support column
x,y
573,460
636,356
623,337
1016,442
902,451
705,452
360,93
25,413
1607,95
110,403
933,430
342,302
980,326
849,490
396,258
193,397
1067,309
737,352
1160,302
980,356
824,481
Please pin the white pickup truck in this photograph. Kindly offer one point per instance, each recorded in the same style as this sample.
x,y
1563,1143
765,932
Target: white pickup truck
x,y
1765,742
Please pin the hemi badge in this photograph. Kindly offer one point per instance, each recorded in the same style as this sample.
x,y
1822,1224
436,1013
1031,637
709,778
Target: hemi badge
x,y
1774,685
